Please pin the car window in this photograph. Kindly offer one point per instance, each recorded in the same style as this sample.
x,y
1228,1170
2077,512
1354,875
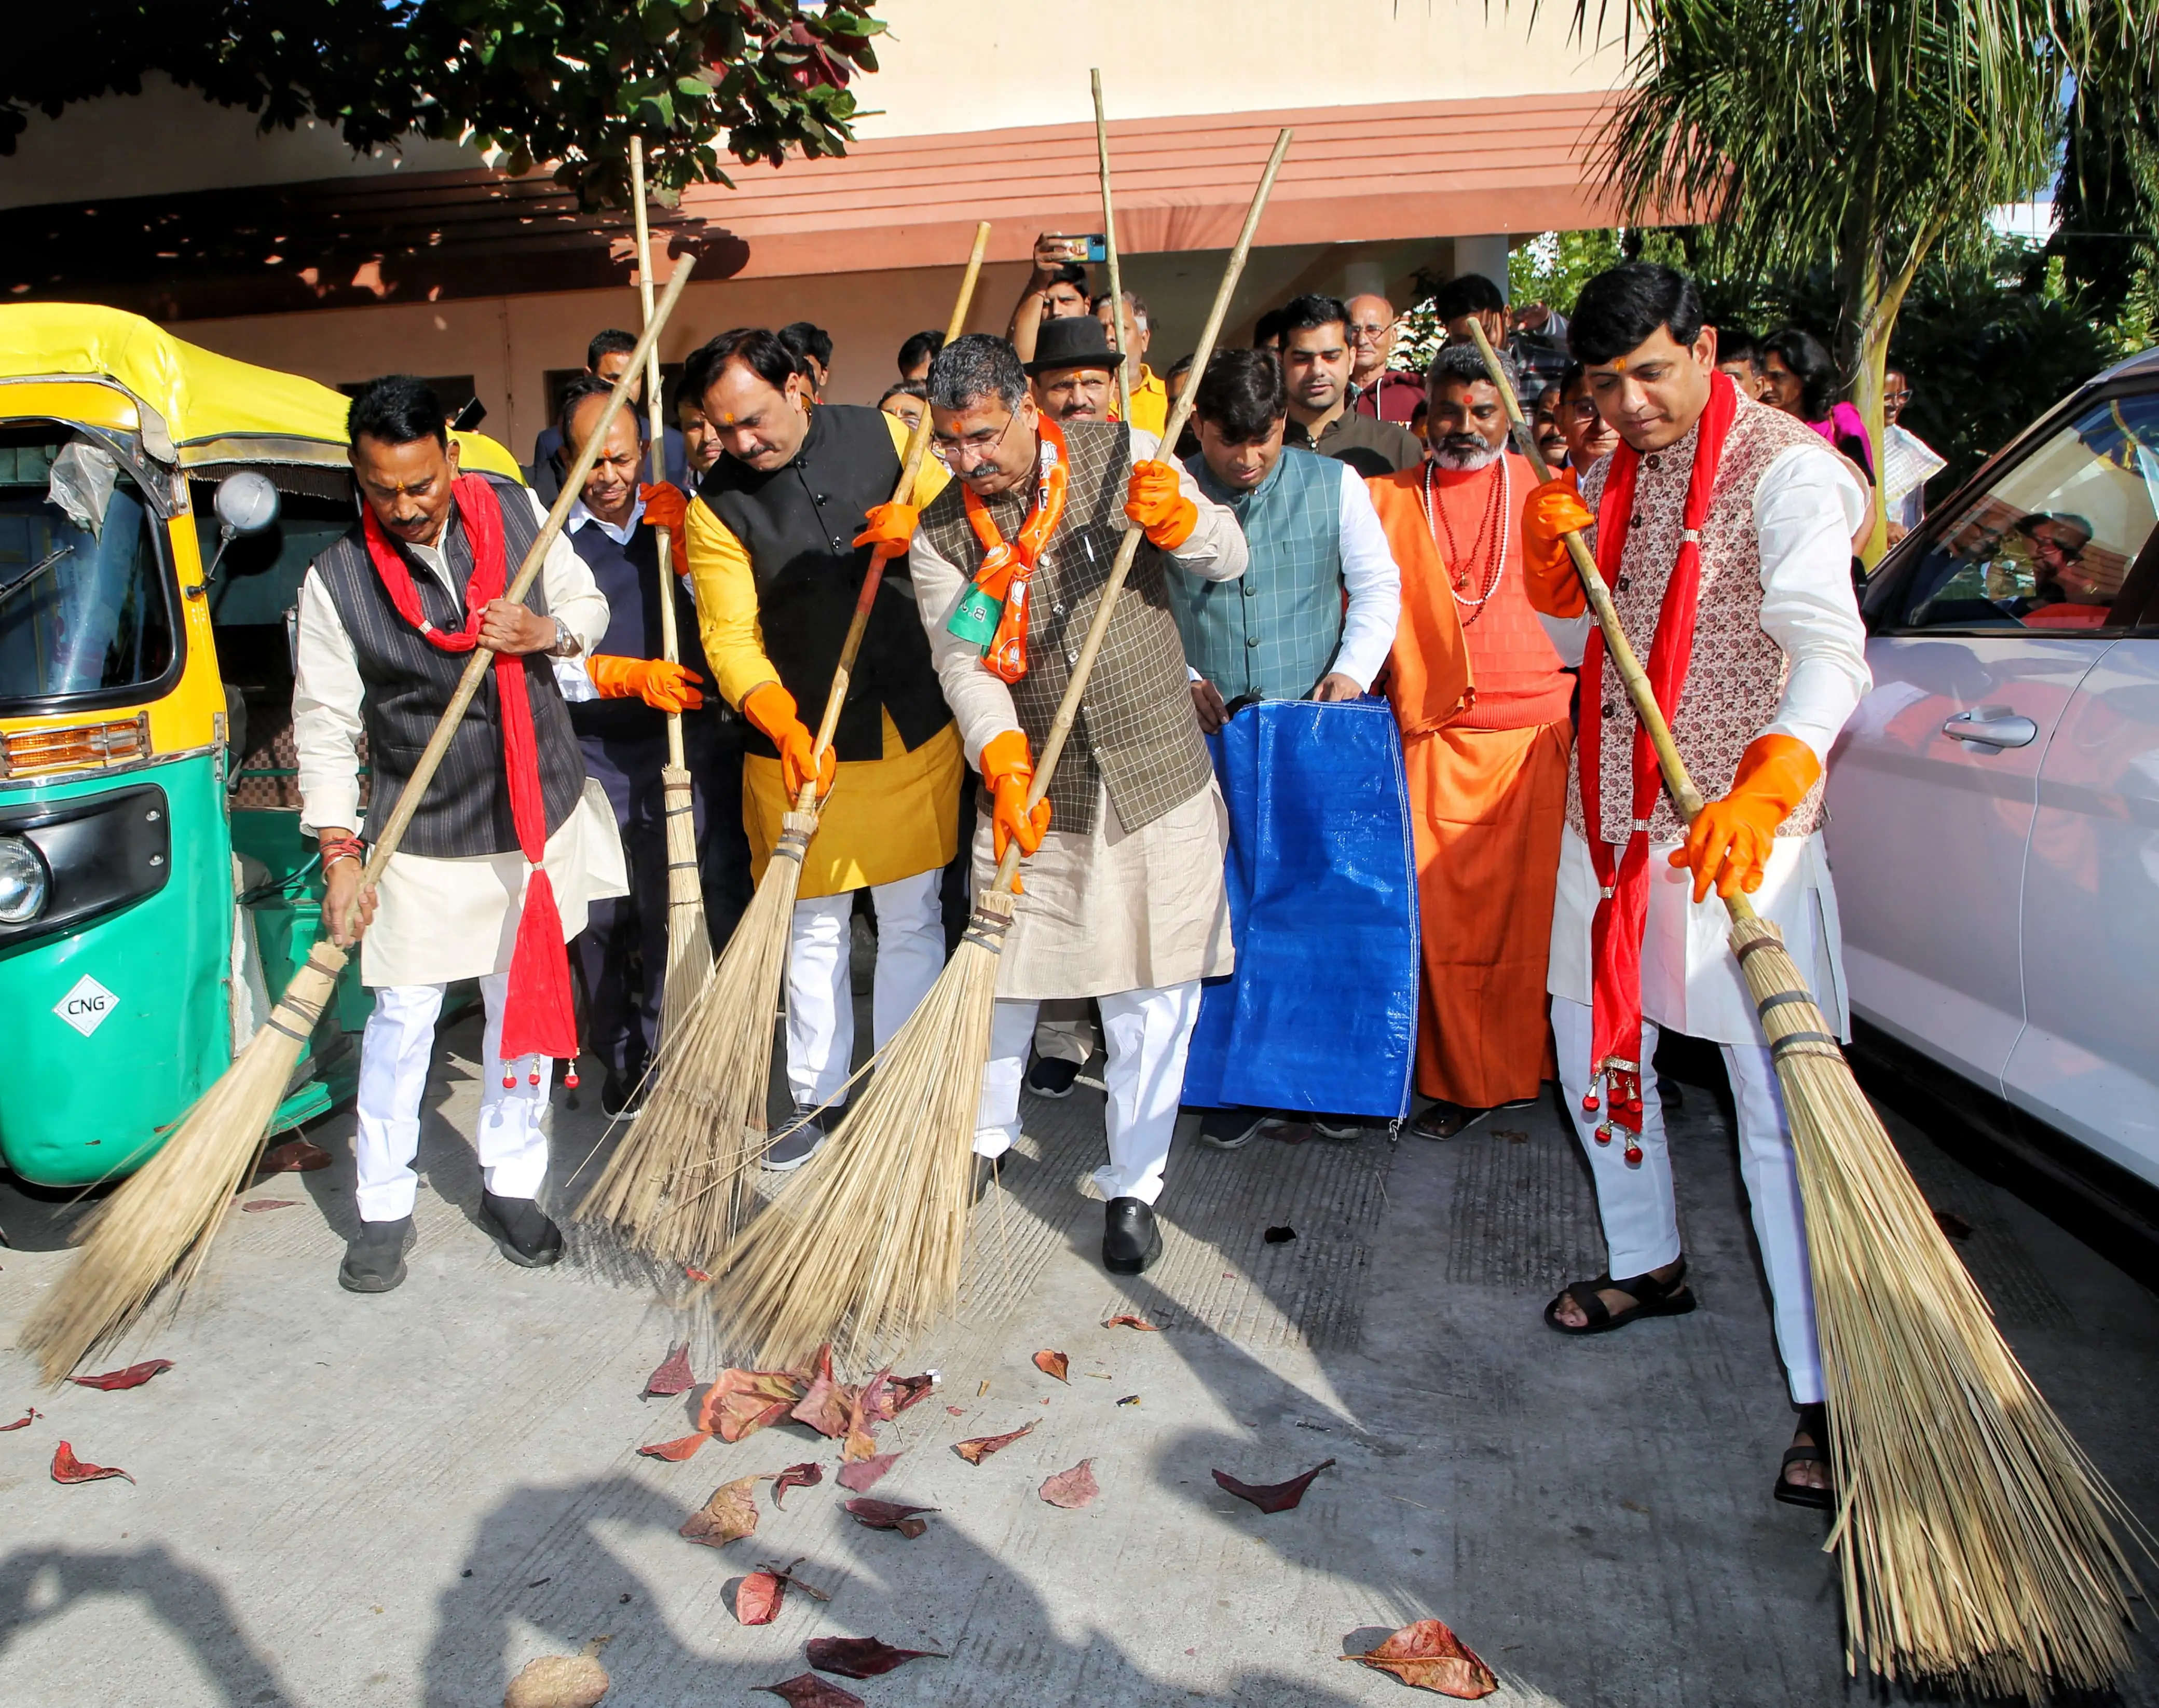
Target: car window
x,y
2050,543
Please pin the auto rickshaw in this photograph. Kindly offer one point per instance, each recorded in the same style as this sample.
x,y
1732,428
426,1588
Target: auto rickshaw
x,y
158,506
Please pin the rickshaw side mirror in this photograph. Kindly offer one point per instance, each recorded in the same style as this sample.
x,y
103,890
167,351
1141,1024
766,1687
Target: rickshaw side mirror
x,y
246,503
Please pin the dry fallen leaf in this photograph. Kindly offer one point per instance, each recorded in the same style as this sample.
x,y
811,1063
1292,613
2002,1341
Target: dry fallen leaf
x,y
742,1402
1953,1224
728,1517
863,1657
1280,1236
293,1157
863,1419
1126,1320
1072,1488
1053,1364
862,1475
785,1574
557,1681
1272,1497
806,1475
22,1422
673,1376
757,1598
675,1452
827,1406
955,1411
695,1273
1432,1657
888,1515
979,1449
134,1376
901,1392
68,1469
255,1206
808,1690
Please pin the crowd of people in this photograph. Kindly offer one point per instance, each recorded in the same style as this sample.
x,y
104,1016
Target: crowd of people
x,y
1329,528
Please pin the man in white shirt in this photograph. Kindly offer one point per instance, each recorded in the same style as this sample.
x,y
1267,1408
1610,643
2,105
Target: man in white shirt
x,y
388,618
1724,529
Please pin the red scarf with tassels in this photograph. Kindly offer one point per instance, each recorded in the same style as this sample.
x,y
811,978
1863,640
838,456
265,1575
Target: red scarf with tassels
x,y
1622,876
537,1019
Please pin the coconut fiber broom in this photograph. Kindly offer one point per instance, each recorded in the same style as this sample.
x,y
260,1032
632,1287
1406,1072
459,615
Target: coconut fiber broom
x,y
689,945
677,1187
157,1228
1976,1541
864,1246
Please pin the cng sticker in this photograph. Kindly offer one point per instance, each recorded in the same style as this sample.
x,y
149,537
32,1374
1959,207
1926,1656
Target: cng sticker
x,y
87,1005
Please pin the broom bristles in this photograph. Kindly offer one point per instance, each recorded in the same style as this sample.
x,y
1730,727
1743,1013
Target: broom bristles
x,y
689,944
154,1232
677,1187
864,1246
1977,1540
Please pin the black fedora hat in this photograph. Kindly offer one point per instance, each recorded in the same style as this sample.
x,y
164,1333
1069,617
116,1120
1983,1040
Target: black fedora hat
x,y
1075,341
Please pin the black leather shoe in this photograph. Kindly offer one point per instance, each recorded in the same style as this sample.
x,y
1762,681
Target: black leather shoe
x,y
527,1238
1131,1241
374,1258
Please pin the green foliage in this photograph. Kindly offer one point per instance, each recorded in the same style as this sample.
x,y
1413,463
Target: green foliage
x,y
563,81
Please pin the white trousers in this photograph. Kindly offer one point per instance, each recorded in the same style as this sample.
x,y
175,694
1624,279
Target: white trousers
x,y
1144,1033
395,1052
1641,1222
820,998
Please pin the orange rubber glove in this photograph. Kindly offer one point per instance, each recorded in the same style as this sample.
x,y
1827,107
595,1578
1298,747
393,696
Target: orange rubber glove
x,y
663,687
771,708
1550,512
665,506
1008,769
1729,841
1158,504
890,525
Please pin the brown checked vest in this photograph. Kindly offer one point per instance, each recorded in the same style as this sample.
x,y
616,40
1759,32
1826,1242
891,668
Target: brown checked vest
x,y
1136,732
1737,674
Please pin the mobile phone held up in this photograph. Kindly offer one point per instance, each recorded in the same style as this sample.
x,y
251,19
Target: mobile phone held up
x,y
1089,248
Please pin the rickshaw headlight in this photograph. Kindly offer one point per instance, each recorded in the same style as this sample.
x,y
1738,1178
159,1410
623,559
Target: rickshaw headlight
x,y
25,885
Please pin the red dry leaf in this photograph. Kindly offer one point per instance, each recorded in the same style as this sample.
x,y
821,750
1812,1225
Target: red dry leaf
x,y
1072,1488
757,1598
955,1411
256,1205
743,1402
22,1422
863,1657
979,1449
68,1469
1053,1364
293,1157
888,1515
1272,1497
134,1376
1432,1657
806,1475
863,1416
1126,1320
902,1392
673,1376
809,1691
675,1452
861,1477
828,1405
695,1273
728,1517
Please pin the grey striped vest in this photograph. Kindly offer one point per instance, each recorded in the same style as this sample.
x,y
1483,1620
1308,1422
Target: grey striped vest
x,y
408,683
1136,732
1272,633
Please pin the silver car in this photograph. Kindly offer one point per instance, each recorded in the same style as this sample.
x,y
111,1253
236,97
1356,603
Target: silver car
x,y
1994,801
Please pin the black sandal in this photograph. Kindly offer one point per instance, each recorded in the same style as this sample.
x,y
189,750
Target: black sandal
x,y
1814,1421
1652,1298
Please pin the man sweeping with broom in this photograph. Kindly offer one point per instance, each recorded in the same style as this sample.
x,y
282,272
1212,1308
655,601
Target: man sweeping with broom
x,y
1725,537
1123,899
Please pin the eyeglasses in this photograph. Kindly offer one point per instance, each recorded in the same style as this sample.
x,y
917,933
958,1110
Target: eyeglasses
x,y
957,454
1903,396
1581,409
1369,334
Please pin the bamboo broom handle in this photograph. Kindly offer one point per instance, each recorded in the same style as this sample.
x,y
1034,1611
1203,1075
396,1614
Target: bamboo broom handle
x,y
476,667
1684,795
1109,245
670,642
918,441
1067,708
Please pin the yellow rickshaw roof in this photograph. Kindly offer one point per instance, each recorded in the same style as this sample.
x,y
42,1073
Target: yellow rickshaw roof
x,y
201,396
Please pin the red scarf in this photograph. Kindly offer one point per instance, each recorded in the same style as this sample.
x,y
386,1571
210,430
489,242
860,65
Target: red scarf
x,y
1623,878
537,1019
1007,569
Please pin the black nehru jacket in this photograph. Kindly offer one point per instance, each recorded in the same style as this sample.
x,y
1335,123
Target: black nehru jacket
x,y
797,523
408,682
630,576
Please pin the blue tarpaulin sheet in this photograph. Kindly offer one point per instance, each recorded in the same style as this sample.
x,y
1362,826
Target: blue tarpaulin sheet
x,y
1320,1015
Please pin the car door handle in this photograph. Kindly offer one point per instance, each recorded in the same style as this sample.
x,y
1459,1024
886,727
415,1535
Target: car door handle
x,y
1991,732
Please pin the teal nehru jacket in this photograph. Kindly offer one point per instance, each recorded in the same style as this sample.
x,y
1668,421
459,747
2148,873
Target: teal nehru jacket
x,y
1273,634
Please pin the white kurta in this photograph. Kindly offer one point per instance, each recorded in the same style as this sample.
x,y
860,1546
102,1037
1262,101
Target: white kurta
x,y
439,919
1806,507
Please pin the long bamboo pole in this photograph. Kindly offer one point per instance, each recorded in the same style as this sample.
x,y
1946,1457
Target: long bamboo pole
x,y
1109,246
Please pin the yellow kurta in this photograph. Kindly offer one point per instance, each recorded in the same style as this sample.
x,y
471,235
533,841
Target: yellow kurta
x,y
885,819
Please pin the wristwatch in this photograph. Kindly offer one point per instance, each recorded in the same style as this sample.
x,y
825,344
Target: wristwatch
x,y
566,643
